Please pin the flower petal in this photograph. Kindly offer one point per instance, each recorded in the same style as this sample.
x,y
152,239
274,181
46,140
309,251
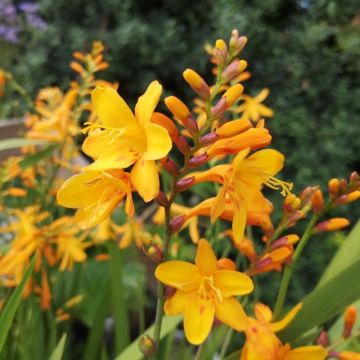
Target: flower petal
x,y
111,108
158,142
231,313
279,325
198,319
231,283
145,178
313,352
239,220
176,304
147,103
181,275
205,258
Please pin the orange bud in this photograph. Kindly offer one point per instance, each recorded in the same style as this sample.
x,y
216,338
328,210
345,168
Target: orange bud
x,y
232,95
233,70
317,201
285,240
246,247
177,107
165,122
14,191
350,318
221,52
334,186
177,223
234,127
77,67
331,225
197,83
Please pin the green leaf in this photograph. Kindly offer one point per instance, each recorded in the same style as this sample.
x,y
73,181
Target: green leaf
x,y
325,302
14,143
59,350
133,352
38,156
118,300
346,255
7,315
234,356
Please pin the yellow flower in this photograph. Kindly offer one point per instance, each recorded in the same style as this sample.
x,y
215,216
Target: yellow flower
x,y
262,343
122,139
203,291
242,182
252,107
95,194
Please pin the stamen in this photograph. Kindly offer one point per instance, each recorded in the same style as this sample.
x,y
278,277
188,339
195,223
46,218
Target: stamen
x,y
208,290
276,184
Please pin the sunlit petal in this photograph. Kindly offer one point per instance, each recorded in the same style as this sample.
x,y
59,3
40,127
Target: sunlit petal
x,y
231,283
231,313
147,103
205,258
158,142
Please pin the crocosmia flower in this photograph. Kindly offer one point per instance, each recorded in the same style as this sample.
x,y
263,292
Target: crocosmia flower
x,y
203,291
122,138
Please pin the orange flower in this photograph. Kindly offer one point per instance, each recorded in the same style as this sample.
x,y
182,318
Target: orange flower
x,y
204,291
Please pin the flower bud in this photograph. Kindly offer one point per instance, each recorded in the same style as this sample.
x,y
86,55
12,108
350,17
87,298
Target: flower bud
x,y
331,225
221,52
285,240
237,43
208,139
317,201
170,166
263,263
350,318
199,160
155,254
177,107
233,128
267,225
348,198
246,247
233,70
334,186
177,223
162,199
197,83
165,122
15,191
185,183
354,176
323,339
232,94
191,124
226,264
147,345
182,145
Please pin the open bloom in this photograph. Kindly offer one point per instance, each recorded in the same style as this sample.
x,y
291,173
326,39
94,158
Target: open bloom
x,y
96,194
204,291
122,138
242,182
262,343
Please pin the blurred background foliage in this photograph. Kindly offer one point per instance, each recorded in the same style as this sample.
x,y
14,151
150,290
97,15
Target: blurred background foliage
x,y
307,53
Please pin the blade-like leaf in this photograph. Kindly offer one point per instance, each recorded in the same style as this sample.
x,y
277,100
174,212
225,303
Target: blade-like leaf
x,y
59,350
346,255
14,143
8,313
133,351
234,356
325,302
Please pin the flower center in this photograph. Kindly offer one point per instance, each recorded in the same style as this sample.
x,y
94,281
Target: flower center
x,y
208,290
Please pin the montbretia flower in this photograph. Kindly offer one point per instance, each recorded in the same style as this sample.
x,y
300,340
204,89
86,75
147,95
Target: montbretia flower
x,y
242,183
122,138
204,291
96,194
262,343
252,107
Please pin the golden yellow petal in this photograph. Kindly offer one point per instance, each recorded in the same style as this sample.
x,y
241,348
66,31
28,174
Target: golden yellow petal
x,y
176,304
239,219
313,352
198,319
181,275
231,313
111,108
232,283
263,313
205,258
158,142
285,321
145,179
147,103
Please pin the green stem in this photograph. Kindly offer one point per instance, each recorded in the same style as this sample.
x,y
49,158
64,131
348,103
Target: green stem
x,y
285,281
199,352
226,343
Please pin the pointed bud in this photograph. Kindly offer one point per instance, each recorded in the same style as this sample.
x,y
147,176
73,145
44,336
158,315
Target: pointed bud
x,y
208,139
199,160
155,254
182,145
267,225
354,176
331,225
221,52
285,240
323,339
246,247
170,166
233,70
162,199
220,107
263,263
237,43
334,187
197,83
177,223
317,201
232,94
233,128
147,345
350,318
191,124
165,122
185,183
177,107
348,198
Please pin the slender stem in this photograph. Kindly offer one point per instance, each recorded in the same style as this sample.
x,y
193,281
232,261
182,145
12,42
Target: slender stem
x,y
160,289
199,352
285,281
226,343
